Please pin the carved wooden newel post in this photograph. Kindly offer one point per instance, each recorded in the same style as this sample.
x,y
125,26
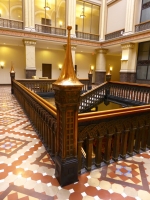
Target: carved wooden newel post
x,y
12,76
67,97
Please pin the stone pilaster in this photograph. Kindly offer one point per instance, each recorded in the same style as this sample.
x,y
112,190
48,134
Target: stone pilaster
x,y
128,62
71,15
103,20
100,70
30,58
29,15
130,13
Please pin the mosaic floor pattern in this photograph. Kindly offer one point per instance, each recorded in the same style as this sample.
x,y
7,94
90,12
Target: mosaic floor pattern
x,y
27,171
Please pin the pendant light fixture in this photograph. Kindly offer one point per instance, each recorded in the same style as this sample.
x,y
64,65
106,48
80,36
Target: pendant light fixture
x,y
46,7
82,14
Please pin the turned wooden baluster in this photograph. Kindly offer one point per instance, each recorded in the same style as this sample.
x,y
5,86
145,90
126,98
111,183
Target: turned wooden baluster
x,y
124,143
130,146
116,145
138,138
98,152
108,148
89,149
79,145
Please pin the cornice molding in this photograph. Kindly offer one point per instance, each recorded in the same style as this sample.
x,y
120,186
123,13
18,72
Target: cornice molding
x,y
110,2
34,36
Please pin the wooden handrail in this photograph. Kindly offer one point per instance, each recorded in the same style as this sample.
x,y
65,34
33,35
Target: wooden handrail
x,y
50,26
49,107
87,33
127,83
142,23
115,31
112,113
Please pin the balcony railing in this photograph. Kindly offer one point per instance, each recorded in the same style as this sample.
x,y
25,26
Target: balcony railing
x,y
50,30
115,34
142,26
8,23
87,36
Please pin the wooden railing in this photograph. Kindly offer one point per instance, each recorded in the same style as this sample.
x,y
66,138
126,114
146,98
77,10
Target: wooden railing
x,y
115,34
112,135
124,93
142,26
8,23
135,94
50,30
45,85
87,36
104,136
40,112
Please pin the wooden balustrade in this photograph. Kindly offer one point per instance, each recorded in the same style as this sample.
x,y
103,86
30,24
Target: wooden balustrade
x,y
112,135
142,26
40,86
126,94
108,135
9,23
87,36
50,30
40,112
115,34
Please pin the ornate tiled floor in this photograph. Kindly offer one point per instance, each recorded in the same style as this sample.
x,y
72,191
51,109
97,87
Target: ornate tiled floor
x,y
27,171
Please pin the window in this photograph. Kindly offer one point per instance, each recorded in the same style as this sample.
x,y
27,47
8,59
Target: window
x,y
143,61
51,13
10,9
145,11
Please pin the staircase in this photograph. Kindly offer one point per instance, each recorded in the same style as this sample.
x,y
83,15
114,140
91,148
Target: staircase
x,y
126,94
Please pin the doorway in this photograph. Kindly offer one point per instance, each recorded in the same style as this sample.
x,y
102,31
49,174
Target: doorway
x,y
47,70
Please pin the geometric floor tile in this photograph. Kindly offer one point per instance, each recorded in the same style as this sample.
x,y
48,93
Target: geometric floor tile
x,y
9,146
127,172
7,120
28,128
18,193
45,160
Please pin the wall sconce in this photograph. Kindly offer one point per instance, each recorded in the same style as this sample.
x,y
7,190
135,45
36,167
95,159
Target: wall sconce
x,y
2,65
60,66
92,67
110,68
60,24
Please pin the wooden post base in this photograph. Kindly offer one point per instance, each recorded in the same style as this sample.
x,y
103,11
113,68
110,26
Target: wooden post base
x,y
66,172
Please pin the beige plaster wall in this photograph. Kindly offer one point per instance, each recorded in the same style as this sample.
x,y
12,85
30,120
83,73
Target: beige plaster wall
x,y
16,55
115,62
84,62
116,16
47,56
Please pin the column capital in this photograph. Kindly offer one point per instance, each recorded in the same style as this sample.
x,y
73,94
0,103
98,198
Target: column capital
x,y
128,46
102,51
29,42
73,47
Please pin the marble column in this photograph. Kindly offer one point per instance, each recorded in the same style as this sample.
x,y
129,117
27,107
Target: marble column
x,y
30,58
130,13
128,62
100,70
71,15
29,15
103,20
